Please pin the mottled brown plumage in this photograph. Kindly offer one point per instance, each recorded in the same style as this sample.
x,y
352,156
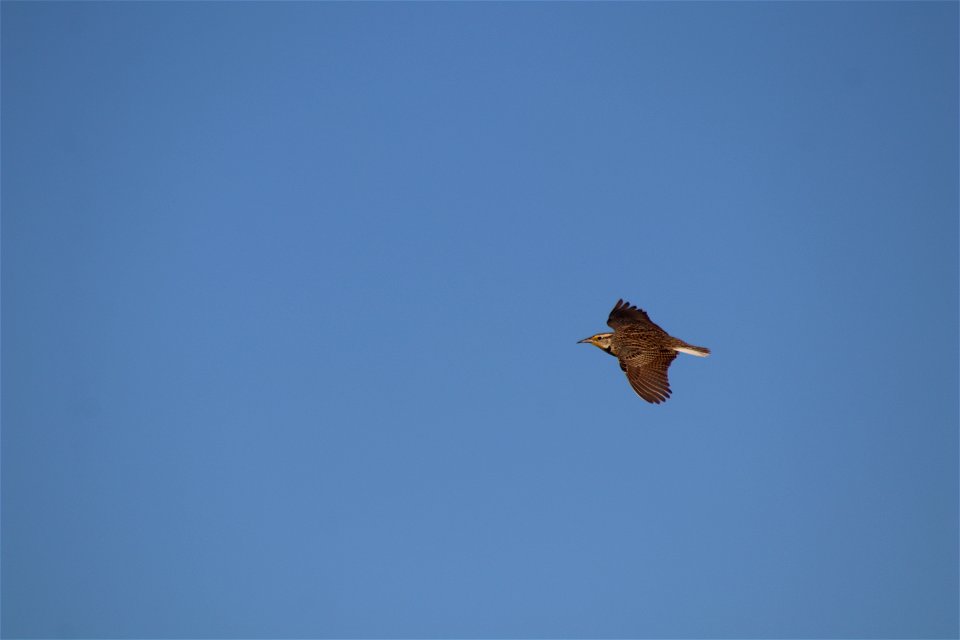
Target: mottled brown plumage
x,y
645,351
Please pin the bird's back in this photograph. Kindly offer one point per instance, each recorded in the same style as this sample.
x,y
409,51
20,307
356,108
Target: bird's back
x,y
630,339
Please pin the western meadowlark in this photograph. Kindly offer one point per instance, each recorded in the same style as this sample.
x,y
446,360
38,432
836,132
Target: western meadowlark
x,y
644,350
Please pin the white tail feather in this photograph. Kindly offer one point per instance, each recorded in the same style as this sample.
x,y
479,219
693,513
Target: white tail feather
x,y
694,351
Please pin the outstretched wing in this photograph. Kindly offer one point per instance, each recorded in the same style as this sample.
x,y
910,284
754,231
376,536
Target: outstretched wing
x,y
648,375
625,313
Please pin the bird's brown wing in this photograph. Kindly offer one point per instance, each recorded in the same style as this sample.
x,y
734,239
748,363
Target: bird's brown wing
x,y
624,313
648,375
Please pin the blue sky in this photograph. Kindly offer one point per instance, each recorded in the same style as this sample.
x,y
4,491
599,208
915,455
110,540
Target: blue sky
x,y
291,292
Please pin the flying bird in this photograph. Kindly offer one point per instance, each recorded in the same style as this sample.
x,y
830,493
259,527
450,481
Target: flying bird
x,y
645,351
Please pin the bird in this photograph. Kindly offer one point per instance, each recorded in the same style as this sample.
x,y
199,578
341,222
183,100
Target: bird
x,y
645,351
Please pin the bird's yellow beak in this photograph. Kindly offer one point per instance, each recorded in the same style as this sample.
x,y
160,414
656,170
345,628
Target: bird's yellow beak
x,y
590,340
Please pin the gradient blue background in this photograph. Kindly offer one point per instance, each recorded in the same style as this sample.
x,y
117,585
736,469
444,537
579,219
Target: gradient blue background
x,y
291,294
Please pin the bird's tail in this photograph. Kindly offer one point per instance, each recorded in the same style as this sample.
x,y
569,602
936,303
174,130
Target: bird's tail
x,y
683,347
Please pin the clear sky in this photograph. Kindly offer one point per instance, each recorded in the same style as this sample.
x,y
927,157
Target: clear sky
x,y
291,295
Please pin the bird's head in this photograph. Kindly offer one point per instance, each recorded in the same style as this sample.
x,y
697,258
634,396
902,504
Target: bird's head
x,y
599,340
